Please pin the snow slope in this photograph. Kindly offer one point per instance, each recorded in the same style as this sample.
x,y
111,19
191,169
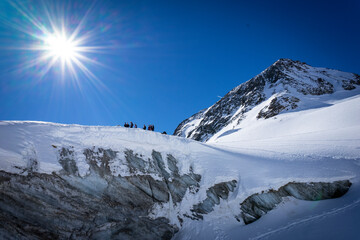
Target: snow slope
x,y
303,150
324,139
330,131
286,86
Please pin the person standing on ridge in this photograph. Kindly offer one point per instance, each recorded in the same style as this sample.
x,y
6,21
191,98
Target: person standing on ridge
x,y
131,124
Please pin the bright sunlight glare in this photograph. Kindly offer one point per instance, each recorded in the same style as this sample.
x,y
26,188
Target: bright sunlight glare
x,y
59,42
59,46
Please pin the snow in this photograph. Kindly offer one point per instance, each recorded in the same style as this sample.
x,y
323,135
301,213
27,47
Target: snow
x,y
190,127
303,145
332,131
298,87
19,139
293,219
312,144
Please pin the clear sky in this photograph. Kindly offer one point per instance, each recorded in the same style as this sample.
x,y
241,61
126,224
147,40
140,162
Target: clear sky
x,y
159,62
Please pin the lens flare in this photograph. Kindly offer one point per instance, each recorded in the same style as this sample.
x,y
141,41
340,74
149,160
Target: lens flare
x,y
60,47
58,42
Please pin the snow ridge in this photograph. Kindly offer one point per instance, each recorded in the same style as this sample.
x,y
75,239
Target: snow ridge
x,y
285,86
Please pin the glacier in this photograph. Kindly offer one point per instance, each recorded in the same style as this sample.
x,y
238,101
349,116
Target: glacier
x,y
284,163
73,181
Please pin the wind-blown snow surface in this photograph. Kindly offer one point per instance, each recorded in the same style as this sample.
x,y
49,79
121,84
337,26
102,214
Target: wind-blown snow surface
x,y
295,147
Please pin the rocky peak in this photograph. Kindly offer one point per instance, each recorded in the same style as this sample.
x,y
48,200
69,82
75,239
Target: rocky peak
x,y
285,84
281,68
286,62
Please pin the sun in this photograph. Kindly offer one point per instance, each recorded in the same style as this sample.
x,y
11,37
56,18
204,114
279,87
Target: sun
x,y
59,43
58,46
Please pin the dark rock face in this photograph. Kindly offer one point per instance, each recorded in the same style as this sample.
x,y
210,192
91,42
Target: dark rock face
x,y
351,84
245,96
285,76
277,105
259,204
48,207
214,194
66,159
97,206
217,116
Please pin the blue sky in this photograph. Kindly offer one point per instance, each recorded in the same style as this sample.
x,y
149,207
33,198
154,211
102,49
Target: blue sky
x,y
163,61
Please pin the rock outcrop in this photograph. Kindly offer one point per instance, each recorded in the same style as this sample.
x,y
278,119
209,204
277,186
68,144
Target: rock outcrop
x,y
214,194
259,204
99,205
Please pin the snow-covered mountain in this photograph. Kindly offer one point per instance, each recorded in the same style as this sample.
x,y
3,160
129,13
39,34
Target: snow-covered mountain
x,y
285,86
292,140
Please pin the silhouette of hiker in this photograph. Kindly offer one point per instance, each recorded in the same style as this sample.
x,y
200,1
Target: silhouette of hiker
x,y
144,127
131,124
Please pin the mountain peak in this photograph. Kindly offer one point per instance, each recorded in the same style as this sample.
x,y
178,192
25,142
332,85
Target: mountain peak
x,y
287,62
286,85
280,68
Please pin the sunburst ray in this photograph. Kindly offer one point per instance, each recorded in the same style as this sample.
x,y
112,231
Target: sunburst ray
x,y
56,44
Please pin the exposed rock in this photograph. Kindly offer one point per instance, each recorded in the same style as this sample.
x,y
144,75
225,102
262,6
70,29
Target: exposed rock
x,y
214,194
67,161
291,81
259,204
321,87
48,207
351,84
277,105
99,205
99,159
135,163
176,184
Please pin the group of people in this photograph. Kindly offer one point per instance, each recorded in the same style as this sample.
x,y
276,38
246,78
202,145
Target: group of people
x,y
151,127
132,125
